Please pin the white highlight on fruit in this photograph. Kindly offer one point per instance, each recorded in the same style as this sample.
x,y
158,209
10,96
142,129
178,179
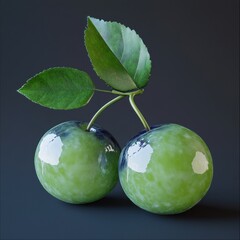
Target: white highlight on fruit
x,y
109,148
50,149
139,157
199,163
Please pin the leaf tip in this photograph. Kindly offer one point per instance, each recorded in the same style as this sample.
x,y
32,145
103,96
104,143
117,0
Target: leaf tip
x,y
89,18
20,90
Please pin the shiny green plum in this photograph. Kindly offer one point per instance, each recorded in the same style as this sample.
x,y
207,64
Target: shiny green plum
x,y
75,165
166,170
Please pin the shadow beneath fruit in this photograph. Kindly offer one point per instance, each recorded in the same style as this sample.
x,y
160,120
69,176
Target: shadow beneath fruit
x,y
199,212
211,212
113,201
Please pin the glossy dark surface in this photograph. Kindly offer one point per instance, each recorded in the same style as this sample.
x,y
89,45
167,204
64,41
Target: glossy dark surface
x,y
194,82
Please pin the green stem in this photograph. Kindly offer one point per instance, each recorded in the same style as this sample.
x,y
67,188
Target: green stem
x,y
137,111
101,110
136,92
101,90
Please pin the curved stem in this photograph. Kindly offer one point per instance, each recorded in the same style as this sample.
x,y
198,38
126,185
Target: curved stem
x,y
137,111
102,90
136,92
101,110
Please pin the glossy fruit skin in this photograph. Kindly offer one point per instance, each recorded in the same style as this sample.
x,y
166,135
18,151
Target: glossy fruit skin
x,y
75,165
166,170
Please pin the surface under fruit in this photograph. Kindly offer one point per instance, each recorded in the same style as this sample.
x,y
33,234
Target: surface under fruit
x,y
166,170
75,165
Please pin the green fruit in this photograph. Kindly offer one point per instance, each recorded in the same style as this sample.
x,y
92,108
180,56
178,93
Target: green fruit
x,y
166,170
75,165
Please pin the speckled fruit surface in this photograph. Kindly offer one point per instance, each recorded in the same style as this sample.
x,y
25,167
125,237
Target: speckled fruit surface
x,y
166,170
75,165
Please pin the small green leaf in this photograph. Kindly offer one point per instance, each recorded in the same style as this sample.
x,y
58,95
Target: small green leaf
x,y
59,88
118,55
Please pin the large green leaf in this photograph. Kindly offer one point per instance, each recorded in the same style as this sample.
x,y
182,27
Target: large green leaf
x,y
118,55
59,88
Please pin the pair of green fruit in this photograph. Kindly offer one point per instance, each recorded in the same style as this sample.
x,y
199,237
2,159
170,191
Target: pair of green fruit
x,y
166,169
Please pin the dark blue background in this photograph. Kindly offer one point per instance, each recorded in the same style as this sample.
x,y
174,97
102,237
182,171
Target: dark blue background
x,y
194,82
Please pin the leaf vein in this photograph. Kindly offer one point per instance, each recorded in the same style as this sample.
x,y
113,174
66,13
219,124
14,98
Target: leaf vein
x,y
136,70
123,41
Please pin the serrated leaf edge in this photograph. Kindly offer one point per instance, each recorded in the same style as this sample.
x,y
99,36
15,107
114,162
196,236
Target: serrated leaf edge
x,y
132,30
22,87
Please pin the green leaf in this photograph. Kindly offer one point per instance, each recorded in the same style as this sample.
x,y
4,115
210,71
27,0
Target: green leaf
x,y
118,55
59,88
